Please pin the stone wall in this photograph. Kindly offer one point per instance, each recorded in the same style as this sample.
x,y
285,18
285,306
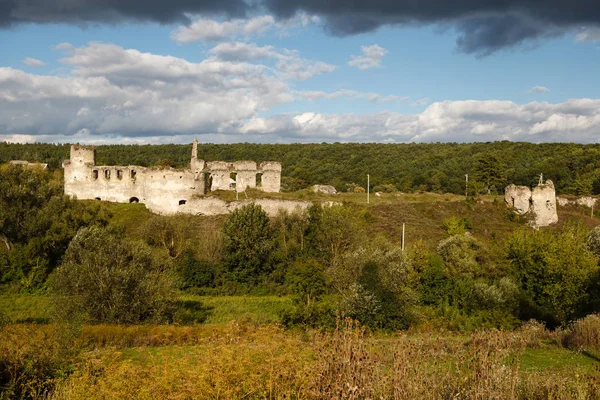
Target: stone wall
x,y
518,197
163,190
539,202
543,204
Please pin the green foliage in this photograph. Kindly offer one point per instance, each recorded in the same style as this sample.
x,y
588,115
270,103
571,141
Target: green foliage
x,y
385,188
457,226
194,273
333,231
190,312
490,170
33,361
459,253
556,271
37,223
314,314
593,241
377,285
306,280
436,167
249,240
105,278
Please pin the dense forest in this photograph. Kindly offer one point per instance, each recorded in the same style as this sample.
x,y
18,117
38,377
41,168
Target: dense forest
x,y
435,167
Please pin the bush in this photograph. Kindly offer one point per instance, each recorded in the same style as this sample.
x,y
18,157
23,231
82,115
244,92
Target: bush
x,y
585,333
193,273
385,188
457,226
33,359
105,278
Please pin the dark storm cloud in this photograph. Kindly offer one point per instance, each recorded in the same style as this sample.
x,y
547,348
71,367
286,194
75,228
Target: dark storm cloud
x,y
112,11
483,26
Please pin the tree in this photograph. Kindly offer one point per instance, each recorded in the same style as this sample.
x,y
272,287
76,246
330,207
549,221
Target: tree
x,y
334,230
37,222
249,240
108,279
306,279
491,171
555,271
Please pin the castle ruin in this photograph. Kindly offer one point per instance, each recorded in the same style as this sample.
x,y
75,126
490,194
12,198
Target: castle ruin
x,y
540,202
163,189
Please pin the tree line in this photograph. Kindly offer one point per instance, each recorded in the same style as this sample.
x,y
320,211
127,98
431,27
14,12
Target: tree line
x,y
435,167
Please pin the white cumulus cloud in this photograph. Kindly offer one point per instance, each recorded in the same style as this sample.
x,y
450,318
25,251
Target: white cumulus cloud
x,y
33,62
370,58
538,89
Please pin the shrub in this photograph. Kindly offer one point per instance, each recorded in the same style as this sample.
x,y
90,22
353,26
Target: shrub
x,y
457,226
33,359
459,253
109,279
306,280
385,188
193,273
585,333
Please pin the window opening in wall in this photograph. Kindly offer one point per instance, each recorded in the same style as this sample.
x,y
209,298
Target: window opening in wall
x,y
132,173
258,180
95,174
97,198
207,183
232,180
182,202
119,174
107,173
134,200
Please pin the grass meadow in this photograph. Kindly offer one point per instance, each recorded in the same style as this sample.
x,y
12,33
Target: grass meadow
x,y
241,352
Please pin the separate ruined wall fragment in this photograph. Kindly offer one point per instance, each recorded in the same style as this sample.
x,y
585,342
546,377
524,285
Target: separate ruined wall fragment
x,y
540,202
518,198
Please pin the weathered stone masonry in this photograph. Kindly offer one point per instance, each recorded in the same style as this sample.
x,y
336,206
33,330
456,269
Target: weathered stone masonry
x,y
164,190
540,202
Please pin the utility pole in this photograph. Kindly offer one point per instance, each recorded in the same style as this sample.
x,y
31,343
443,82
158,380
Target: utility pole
x,y
368,188
403,236
466,187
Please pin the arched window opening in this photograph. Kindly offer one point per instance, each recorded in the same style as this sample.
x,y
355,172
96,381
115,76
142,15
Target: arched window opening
x,y
95,174
107,174
132,174
232,180
119,174
182,202
134,200
259,180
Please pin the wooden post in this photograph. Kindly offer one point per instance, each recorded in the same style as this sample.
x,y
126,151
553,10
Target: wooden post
x,y
403,236
368,188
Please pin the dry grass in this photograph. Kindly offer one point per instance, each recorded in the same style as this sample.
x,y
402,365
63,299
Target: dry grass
x,y
585,334
244,361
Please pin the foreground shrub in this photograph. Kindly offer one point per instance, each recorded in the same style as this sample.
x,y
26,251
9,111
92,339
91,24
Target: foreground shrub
x,y
105,278
33,359
585,333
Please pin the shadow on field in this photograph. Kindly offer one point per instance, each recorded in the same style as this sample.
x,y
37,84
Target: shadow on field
x,y
190,312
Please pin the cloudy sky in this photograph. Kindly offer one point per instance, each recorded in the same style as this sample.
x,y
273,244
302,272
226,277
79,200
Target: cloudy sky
x,y
280,71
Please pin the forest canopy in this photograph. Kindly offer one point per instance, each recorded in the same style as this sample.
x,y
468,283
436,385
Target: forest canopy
x,y
435,167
